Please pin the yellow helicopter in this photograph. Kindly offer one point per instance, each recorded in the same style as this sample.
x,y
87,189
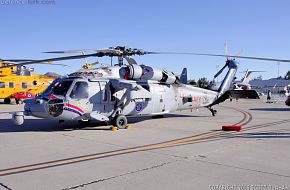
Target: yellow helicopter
x,y
17,82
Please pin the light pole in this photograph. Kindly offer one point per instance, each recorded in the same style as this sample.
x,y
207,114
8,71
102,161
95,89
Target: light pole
x,y
278,65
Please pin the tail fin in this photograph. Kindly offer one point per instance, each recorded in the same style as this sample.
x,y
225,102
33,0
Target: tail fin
x,y
229,78
183,76
246,78
223,91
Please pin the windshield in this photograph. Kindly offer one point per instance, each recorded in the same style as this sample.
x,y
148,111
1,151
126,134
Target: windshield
x,y
80,90
58,87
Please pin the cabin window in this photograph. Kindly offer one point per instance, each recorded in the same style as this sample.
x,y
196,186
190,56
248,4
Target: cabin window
x,y
187,99
112,91
2,84
146,87
24,85
104,95
11,84
104,91
80,90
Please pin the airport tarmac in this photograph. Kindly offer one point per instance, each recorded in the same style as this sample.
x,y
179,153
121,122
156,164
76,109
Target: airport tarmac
x,y
183,150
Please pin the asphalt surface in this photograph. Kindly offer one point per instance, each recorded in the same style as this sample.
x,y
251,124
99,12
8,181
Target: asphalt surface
x,y
183,150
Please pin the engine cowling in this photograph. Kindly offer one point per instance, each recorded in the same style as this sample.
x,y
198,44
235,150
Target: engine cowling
x,y
150,73
144,72
131,72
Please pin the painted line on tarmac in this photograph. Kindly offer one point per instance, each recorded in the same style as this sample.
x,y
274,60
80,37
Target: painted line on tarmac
x,y
177,142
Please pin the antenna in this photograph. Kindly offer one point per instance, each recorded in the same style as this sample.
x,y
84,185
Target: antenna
x,y
278,65
120,60
86,60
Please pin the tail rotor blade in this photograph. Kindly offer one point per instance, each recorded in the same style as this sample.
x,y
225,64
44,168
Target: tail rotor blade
x,y
220,71
227,53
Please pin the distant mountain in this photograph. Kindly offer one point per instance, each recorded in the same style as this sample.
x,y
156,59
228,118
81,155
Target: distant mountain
x,y
53,74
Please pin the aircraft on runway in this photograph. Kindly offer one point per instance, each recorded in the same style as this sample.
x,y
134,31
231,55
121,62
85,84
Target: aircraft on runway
x,y
129,90
244,84
237,85
18,82
132,91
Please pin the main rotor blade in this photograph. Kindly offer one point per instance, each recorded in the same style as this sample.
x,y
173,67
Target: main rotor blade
x,y
54,59
104,50
220,55
16,60
10,63
252,71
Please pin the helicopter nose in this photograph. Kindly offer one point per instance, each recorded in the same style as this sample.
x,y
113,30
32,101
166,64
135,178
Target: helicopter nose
x,y
55,107
35,107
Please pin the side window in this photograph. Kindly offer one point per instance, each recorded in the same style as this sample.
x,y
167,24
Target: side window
x,y
112,91
11,84
104,95
2,84
24,85
104,91
80,90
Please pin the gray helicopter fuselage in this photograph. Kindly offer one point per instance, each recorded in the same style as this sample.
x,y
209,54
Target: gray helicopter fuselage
x,y
101,99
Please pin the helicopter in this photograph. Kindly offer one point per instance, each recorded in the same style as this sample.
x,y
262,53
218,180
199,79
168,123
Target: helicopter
x,y
138,90
17,81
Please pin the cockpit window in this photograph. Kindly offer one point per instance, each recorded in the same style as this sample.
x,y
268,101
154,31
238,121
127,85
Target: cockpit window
x,y
80,90
58,87
61,87
48,90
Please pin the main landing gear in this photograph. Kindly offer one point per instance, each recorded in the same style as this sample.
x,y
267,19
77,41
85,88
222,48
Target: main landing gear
x,y
213,111
7,100
120,121
18,101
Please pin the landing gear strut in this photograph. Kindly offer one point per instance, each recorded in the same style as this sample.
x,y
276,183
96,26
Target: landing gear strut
x,y
213,111
18,101
7,100
120,121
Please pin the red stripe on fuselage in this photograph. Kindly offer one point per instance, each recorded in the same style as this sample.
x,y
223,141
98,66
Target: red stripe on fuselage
x,y
74,107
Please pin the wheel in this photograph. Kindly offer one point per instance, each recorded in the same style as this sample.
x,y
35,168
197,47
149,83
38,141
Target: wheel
x,y
213,112
18,101
121,122
7,100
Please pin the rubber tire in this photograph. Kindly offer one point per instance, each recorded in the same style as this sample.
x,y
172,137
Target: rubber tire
x,y
17,101
7,100
121,122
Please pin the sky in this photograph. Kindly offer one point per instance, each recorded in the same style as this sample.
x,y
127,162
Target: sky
x,y
259,27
